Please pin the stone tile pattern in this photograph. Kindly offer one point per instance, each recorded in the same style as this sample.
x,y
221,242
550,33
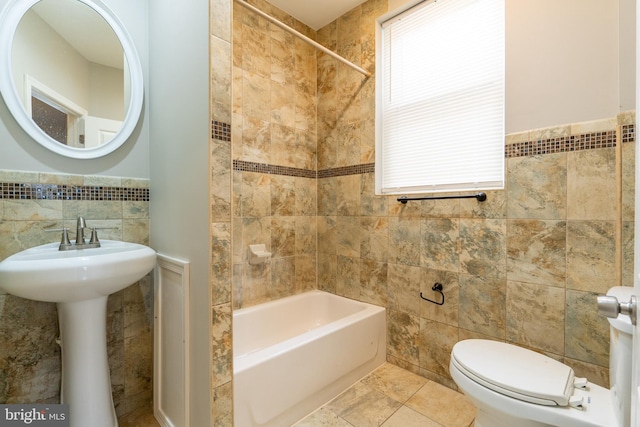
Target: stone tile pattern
x,y
29,355
390,396
274,156
394,397
221,373
517,149
524,266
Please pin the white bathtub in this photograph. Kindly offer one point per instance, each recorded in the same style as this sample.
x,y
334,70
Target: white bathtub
x,y
294,354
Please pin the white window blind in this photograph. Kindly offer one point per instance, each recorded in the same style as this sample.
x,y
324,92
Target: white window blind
x,y
441,110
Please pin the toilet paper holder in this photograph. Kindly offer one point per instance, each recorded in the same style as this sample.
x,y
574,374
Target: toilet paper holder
x,y
258,254
437,287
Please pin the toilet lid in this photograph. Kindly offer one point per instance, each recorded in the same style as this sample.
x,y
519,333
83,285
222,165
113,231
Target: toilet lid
x,y
514,371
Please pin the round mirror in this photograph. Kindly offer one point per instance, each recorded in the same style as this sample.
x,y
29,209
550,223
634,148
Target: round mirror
x,y
70,75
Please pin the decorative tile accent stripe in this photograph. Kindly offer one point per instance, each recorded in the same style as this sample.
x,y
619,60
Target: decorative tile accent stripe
x,y
585,141
241,165
347,170
221,131
628,133
562,144
27,191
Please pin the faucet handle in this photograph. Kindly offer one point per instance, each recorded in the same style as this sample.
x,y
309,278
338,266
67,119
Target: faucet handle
x,y
93,240
94,236
65,237
65,243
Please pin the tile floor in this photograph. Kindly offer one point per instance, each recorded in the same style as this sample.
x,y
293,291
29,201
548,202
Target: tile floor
x,y
388,397
393,397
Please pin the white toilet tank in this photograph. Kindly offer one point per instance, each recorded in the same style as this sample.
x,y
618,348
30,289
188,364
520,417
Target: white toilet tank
x,y
620,352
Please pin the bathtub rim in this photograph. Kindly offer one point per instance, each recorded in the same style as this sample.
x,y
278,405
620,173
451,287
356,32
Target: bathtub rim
x,y
253,358
289,298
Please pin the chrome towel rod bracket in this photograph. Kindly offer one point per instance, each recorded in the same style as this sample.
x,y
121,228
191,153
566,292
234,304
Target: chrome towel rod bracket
x,y
481,197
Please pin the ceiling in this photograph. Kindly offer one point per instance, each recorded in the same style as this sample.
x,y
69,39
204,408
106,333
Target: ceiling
x,y
84,29
316,13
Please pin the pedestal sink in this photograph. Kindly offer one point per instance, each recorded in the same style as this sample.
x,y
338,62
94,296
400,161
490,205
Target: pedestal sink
x,y
80,281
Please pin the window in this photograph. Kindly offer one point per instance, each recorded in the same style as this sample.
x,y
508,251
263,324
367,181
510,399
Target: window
x,y
54,114
440,98
53,121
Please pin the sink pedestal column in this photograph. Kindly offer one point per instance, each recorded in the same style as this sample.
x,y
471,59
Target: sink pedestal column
x,y
86,384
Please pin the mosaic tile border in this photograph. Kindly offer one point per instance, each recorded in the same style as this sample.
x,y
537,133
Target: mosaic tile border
x,y
244,166
585,141
29,191
221,131
628,133
347,170
241,165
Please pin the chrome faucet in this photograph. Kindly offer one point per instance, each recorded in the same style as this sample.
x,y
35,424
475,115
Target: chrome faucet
x,y
81,224
80,243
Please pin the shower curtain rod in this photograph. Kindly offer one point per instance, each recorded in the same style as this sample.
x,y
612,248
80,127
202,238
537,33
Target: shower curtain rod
x,y
303,37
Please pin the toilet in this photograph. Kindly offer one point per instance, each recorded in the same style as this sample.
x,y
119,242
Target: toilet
x,y
513,386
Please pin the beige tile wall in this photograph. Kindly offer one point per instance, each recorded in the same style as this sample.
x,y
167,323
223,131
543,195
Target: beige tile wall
x,y
523,267
221,374
29,355
518,267
274,122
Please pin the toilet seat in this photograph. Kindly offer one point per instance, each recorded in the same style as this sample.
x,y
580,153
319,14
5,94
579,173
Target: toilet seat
x,y
515,371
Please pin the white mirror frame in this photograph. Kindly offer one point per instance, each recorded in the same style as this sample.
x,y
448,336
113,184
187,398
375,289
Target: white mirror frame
x,y
9,20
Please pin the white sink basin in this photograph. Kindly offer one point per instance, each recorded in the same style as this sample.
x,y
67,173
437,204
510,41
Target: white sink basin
x,y
44,273
79,281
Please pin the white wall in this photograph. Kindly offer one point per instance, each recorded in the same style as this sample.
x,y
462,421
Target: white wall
x,y
40,52
107,92
179,154
627,49
19,152
43,54
567,61
562,62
